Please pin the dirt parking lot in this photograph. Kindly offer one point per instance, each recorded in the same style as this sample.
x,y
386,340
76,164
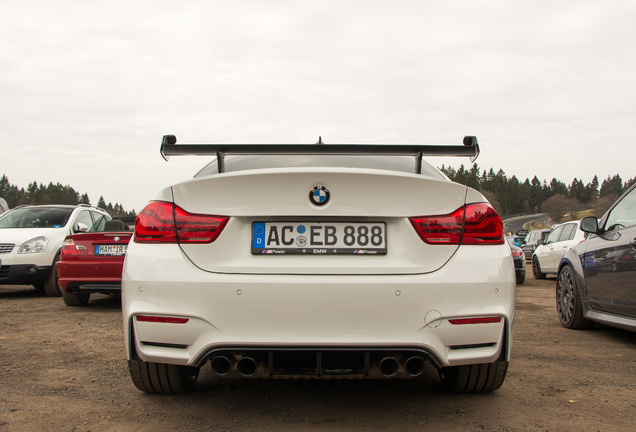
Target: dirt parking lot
x,y
64,368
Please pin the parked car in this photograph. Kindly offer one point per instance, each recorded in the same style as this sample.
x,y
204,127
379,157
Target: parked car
x,y
532,239
31,239
597,278
517,240
546,257
318,260
92,262
519,261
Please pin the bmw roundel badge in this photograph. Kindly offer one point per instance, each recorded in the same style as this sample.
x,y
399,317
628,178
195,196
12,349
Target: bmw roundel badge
x,y
319,195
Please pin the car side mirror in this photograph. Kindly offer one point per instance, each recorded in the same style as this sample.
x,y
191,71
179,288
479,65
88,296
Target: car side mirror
x,y
589,225
80,228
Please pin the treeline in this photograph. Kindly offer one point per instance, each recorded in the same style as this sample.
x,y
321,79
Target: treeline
x,y
38,194
511,196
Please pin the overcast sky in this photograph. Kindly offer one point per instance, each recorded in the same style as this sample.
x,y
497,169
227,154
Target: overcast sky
x,y
89,88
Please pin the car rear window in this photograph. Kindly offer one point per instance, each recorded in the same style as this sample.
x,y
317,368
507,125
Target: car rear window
x,y
392,163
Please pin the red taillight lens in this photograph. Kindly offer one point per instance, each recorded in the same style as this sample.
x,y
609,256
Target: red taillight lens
x,y
471,224
194,228
516,252
155,223
163,222
446,229
483,225
68,250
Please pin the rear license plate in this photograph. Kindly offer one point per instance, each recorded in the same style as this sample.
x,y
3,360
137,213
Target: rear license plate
x,y
110,250
319,238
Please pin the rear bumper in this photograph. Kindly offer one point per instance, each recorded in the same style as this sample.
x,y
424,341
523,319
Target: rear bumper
x,y
354,313
93,275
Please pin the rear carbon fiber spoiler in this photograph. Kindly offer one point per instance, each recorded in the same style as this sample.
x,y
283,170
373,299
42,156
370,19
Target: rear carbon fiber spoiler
x,y
169,147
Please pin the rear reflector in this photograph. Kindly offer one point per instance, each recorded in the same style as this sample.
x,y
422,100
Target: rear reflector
x,y
164,222
161,319
485,320
471,224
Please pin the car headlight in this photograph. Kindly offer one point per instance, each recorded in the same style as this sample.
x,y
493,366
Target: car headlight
x,y
35,245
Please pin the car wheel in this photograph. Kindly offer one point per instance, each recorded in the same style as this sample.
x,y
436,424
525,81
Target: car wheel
x,y
568,300
476,378
521,279
51,288
162,378
75,299
536,269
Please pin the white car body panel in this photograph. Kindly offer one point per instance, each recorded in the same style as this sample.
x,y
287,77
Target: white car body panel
x,y
308,310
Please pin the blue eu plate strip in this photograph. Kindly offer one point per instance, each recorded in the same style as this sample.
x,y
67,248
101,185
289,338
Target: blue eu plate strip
x,y
258,235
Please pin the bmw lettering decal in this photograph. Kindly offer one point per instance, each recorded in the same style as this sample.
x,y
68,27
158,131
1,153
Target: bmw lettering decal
x,y
319,195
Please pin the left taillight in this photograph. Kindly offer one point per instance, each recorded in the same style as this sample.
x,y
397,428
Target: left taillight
x,y
474,224
164,222
68,250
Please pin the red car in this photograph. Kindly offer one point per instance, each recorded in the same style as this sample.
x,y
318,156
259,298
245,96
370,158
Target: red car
x,y
92,262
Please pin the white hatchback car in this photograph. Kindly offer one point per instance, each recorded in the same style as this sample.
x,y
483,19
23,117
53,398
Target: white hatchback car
x,y
31,238
547,256
318,261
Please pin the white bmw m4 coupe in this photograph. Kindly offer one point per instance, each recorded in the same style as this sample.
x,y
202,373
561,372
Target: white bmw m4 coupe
x,y
320,260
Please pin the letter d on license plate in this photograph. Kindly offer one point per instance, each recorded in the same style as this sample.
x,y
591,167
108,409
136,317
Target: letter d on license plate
x,y
319,238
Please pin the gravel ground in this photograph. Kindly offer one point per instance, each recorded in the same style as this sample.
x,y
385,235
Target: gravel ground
x,y
64,368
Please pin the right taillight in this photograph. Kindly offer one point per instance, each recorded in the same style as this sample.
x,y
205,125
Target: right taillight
x,y
164,222
471,224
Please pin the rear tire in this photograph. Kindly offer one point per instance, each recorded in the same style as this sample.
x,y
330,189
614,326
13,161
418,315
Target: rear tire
x,y
75,299
568,300
476,378
162,378
51,288
521,279
536,269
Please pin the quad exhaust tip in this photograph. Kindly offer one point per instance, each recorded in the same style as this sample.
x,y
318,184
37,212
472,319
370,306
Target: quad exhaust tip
x,y
221,365
414,366
246,366
389,366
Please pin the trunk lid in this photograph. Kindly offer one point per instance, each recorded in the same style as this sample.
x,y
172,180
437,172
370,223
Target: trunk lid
x,y
356,196
102,245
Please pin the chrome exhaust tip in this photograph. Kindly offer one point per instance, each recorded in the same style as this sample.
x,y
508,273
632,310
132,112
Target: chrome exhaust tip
x,y
389,366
